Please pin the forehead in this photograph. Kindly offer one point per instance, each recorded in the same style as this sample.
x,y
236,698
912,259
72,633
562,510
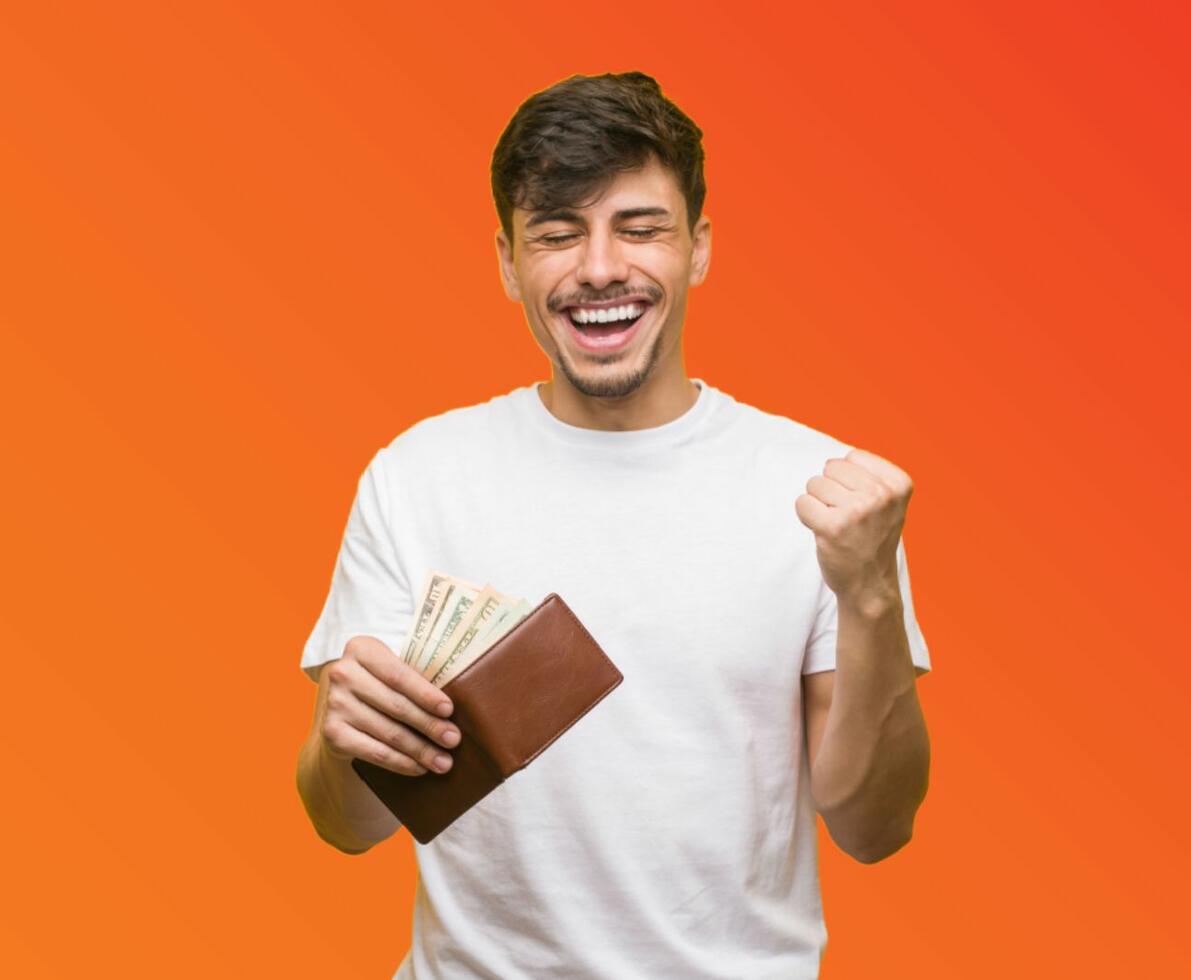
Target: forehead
x,y
653,185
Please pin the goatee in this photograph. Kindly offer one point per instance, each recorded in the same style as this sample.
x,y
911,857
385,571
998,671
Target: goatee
x,y
614,387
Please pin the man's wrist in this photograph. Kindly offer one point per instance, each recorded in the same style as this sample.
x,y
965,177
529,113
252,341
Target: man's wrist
x,y
872,604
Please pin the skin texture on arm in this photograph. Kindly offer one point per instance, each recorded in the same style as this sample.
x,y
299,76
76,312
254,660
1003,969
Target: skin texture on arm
x,y
867,744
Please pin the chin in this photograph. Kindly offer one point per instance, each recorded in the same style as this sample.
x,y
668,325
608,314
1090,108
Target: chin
x,y
616,386
611,380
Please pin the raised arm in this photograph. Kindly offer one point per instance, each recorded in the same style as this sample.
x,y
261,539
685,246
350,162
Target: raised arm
x,y
867,743
868,777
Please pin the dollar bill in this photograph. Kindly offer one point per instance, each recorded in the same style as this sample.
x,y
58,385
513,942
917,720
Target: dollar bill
x,y
487,605
428,608
455,605
488,625
456,622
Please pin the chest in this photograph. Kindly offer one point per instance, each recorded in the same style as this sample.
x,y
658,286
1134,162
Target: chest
x,y
696,578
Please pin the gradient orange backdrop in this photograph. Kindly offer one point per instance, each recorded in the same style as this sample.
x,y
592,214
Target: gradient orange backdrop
x,y
244,246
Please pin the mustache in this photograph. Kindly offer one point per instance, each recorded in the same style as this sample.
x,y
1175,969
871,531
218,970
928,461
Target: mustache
x,y
651,293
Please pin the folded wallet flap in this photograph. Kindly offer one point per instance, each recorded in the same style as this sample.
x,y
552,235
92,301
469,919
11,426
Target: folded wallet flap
x,y
426,804
533,684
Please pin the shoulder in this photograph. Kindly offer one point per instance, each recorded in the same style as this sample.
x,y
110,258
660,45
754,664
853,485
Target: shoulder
x,y
450,438
785,440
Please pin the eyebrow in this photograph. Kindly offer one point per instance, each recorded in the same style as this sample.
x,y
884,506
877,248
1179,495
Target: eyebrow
x,y
566,214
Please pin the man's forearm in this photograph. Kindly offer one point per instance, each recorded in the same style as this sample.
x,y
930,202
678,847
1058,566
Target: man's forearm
x,y
870,771
344,811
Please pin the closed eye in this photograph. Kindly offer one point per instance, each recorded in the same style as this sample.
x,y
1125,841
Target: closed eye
x,y
638,233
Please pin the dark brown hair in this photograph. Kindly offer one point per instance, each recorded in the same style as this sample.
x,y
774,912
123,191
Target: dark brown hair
x,y
567,142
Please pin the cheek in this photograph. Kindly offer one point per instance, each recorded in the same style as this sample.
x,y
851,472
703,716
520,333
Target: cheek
x,y
543,273
543,326
669,268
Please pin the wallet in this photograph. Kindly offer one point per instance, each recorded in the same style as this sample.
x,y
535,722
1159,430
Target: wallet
x,y
510,704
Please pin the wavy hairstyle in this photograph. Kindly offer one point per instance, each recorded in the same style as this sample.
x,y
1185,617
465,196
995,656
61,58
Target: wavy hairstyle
x,y
569,141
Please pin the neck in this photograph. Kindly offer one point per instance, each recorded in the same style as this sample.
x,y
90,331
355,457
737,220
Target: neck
x,y
661,398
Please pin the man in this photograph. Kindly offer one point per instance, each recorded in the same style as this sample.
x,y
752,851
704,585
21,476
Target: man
x,y
671,832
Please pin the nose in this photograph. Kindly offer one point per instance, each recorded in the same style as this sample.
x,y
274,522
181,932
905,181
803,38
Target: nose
x,y
602,259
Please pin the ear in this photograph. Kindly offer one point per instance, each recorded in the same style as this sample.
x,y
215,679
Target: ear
x,y
700,250
508,271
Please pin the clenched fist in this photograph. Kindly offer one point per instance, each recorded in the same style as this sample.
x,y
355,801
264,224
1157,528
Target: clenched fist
x,y
378,708
856,510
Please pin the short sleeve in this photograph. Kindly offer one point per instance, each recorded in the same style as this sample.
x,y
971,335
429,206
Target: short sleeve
x,y
820,649
369,594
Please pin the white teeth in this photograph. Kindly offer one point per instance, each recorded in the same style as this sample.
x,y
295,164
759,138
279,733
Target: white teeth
x,y
580,315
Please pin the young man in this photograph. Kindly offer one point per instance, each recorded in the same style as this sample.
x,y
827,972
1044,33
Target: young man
x,y
766,635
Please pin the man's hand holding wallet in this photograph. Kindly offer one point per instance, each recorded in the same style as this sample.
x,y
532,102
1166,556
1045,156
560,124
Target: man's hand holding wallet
x,y
380,709
512,678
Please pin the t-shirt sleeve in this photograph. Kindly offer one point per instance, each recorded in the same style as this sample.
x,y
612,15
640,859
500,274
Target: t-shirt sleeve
x,y
369,593
820,649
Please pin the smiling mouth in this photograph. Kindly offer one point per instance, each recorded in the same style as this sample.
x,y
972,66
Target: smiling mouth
x,y
587,318
607,329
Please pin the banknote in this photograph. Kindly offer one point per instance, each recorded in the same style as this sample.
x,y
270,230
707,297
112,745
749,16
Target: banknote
x,y
504,620
456,602
427,609
487,604
455,623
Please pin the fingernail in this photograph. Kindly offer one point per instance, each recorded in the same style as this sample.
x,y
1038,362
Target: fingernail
x,y
450,738
444,708
442,762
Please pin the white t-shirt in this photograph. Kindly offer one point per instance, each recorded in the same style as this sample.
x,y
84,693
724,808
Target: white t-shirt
x,y
670,832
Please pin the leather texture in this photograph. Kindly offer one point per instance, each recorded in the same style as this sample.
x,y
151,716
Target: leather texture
x,y
532,685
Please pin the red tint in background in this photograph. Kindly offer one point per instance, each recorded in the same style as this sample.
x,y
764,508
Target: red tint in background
x,y
243,248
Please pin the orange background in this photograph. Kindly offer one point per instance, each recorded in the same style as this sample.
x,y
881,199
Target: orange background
x,y
244,246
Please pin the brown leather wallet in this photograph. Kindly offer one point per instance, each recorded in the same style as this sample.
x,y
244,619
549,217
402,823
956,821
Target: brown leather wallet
x,y
511,703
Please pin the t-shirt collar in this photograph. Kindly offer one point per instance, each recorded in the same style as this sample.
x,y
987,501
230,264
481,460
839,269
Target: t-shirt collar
x,y
668,434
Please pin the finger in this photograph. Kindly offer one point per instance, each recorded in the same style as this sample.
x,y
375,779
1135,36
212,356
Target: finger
x,y
885,471
813,513
343,739
397,706
381,727
829,491
849,474
383,663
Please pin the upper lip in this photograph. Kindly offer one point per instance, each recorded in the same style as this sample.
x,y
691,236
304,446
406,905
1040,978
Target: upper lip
x,y
608,304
